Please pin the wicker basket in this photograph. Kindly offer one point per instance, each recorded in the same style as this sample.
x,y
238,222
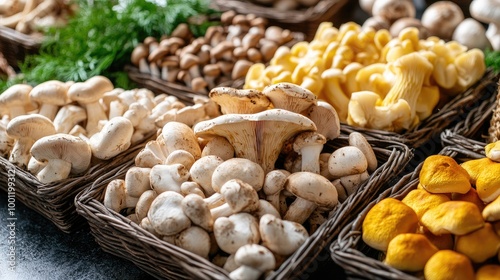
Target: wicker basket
x,y
494,125
360,260
16,45
55,201
479,122
445,116
304,20
119,236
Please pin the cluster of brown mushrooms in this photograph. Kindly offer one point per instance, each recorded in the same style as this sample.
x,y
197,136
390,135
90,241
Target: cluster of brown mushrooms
x,y
56,129
442,19
215,187
286,5
223,54
34,16
448,227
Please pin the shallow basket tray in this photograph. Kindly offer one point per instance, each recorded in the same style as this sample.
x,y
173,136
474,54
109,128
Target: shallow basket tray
x,y
494,125
304,20
55,201
359,260
444,117
119,236
15,45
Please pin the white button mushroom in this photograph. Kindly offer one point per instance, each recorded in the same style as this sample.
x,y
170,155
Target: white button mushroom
x,y
179,136
326,119
151,155
114,138
190,187
143,204
309,145
88,94
15,99
280,236
166,215
198,211
274,183
181,157
253,261
116,197
235,231
487,11
168,177
218,146
238,168
195,240
311,190
137,180
290,97
68,116
239,101
347,160
357,139
25,130
50,95
202,170
238,196
64,154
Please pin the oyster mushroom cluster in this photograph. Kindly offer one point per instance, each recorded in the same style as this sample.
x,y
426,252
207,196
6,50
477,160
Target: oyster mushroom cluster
x,y
372,79
56,129
448,226
223,54
218,188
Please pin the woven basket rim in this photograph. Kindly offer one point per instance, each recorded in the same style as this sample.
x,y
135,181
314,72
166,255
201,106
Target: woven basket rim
x,y
443,118
395,157
322,11
18,38
349,251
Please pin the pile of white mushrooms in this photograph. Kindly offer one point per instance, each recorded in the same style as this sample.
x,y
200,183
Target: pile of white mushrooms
x,y
244,189
56,130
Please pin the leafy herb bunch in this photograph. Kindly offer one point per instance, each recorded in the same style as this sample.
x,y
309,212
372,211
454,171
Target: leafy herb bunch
x,y
99,39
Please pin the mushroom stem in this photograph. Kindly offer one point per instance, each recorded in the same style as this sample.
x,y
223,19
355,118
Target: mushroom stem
x,y
57,170
300,210
20,153
95,113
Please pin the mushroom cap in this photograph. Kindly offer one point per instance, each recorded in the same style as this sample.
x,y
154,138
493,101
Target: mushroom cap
x,y
471,196
281,236
325,118
488,272
15,95
441,18
65,147
51,92
235,231
242,169
255,256
409,252
195,240
166,215
34,126
385,220
392,10
91,90
448,264
307,138
475,167
442,174
141,51
478,245
290,96
258,137
486,11
457,217
347,160
442,242
239,101
472,34
420,200
180,136
113,138
240,196
312,187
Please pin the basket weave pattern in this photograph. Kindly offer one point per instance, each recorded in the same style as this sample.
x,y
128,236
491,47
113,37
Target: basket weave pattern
x,y
117,235
494,130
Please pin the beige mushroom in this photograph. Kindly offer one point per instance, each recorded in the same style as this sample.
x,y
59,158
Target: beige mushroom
x,y
290,97
114,138
166,215
238,168
198,211
238,196
15,99
253,260
64,154
235,231
202,170
50,95
116,197
68,116
239,101
168,177
281,236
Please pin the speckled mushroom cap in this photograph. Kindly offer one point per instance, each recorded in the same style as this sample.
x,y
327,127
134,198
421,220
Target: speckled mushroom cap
x,y
290,96
420,200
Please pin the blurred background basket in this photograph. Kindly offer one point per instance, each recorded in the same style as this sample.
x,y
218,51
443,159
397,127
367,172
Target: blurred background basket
x,y
494,125
55,201
119,236
304,20
15,45
359,260
445,116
